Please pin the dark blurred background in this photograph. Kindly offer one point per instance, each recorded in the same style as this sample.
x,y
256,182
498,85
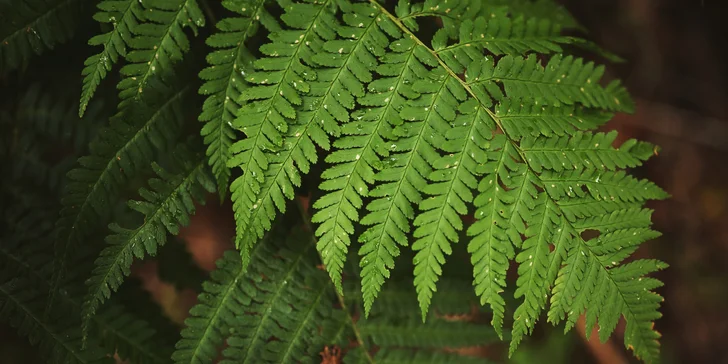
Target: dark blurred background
x,y
676,70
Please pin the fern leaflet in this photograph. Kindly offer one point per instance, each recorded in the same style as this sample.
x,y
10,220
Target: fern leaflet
x,y
167,206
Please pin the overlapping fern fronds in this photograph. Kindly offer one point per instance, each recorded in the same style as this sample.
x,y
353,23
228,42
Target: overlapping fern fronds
x,y
148,34
225,80
290,300
123,148
33,26
510,136
477,129
167,205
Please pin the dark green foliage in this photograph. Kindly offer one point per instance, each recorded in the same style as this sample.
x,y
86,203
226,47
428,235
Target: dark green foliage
x,y
31,27
411,127
167,205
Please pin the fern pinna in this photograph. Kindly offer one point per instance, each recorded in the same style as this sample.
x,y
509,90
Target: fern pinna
x,y
408,134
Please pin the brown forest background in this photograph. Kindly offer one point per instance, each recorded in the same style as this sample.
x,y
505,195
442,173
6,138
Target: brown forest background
x,y
676,69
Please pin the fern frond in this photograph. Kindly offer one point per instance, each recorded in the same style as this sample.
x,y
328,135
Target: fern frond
x,y
225,80
158,43
499,35
290,303
583,151
618,219
357,153
600,185
120,150
577,208
166,207
450,183
273,103
124,16
506,201
223,295
33,26
534,261
562,81
528,119
403,172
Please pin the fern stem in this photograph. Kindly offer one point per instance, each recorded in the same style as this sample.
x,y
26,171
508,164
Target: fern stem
x,y
339,297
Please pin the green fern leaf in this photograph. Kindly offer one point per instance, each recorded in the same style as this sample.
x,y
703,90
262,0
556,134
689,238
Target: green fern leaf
x,y
225,80
168,206
290,303
576,208
33,26
562,81
610,186
506,201
616,220
209,324
583,151
158,42
117,154
358,152
124,16
521,120
500,35
281,79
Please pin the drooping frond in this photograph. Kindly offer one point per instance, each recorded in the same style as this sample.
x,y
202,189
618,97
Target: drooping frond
x,y
525,180
124,17
166,206
506,201
157,44
120,150
357,152
273,103
32,26
225,80
280,295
